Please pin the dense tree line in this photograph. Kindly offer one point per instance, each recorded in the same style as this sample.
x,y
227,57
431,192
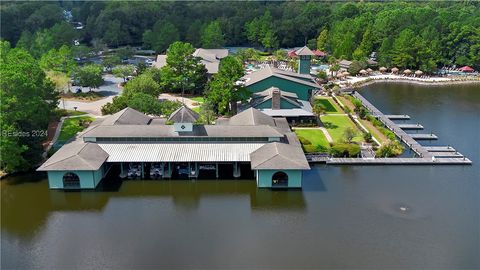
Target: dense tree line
x,y
405,34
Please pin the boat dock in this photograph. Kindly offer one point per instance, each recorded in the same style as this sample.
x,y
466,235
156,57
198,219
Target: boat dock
x,y
420,136
397,116
410,126
440,149
425,155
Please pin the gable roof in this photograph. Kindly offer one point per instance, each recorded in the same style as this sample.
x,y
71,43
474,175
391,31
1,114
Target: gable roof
x,y
209,57
279,156
251,117
127,116
268,72
76,155
304,51
184,115
261,97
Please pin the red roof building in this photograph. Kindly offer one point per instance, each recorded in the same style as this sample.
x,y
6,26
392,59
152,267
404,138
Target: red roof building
x,y
466,69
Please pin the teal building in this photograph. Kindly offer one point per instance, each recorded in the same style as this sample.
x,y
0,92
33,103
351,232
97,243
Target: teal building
x,y
304,60
135,145
301,84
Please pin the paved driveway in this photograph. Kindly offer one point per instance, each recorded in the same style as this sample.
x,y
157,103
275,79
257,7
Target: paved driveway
x,y
109,89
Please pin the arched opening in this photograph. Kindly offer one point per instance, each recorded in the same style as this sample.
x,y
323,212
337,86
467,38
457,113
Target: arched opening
x,y
71,180
280,179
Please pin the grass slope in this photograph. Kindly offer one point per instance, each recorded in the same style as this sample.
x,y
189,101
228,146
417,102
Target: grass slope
x,y
336,126
71,126
316,137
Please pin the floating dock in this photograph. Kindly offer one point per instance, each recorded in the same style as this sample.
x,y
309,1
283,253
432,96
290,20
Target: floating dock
x,y
428,155
410,126
420,136
397,116
440,149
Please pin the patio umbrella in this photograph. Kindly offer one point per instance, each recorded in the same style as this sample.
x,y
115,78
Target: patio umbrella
x,y
382,69
394,70
369,70
418,72
407,71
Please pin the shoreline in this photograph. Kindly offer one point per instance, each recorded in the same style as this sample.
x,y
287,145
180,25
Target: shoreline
x,y
370,80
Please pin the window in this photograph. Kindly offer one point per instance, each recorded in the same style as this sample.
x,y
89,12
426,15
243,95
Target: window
x,y
280,179
71,180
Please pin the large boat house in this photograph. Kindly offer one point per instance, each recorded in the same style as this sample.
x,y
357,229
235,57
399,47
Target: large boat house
x,y
249,143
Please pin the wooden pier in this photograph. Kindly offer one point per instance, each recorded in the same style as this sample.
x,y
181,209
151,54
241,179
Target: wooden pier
x,y
400,133
399,161
428,155
440,148
410,126
397,116
420,136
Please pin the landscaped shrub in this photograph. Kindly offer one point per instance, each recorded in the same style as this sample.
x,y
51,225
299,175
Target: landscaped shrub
x,y
345,150
368,137
390,149
304,141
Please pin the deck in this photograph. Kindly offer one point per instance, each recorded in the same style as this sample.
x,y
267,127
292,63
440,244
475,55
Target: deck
x,y
397,116
410,126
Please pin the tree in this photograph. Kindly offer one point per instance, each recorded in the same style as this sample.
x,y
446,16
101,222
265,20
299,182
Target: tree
x,y
348,134
207,114
28,101
161,36
356,66
183,72
319,109
212,36
365,47
142,84
322,40
110,61
89,76
269,41
390,149
123,71
223,93
60,60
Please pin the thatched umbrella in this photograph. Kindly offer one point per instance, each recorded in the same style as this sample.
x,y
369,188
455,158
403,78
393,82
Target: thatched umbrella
x,y
363,71
340,75
345,73
407,71
394,70
382,69
418,72
369,70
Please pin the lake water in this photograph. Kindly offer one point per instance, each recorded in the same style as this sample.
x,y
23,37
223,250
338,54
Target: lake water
x,y
345,216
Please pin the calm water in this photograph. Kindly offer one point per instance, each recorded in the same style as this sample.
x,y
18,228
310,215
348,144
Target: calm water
x,y
345,217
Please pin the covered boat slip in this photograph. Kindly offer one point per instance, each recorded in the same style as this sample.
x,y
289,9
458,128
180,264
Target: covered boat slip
x,y
132,145
180,160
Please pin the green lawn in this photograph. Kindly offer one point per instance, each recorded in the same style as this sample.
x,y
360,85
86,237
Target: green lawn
x,y
319,142
336,125
71,126
329,104
198,99
196,109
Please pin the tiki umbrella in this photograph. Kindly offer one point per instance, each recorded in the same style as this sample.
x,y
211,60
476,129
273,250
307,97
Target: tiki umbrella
x,y
407,71
363,71
382,69
394,70
418,72
340,75
346,73
369,70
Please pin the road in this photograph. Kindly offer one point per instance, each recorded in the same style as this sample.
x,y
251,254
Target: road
x,y
109,89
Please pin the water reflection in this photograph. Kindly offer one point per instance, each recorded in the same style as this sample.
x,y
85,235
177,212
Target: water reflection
x,y
26,205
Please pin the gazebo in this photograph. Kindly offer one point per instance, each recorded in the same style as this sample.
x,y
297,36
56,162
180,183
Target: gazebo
x,y
319,53
382,69
466,69
292,54
407,71
394,70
